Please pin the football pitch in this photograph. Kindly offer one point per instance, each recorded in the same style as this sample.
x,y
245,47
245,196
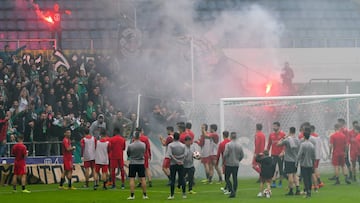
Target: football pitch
x,y
206,193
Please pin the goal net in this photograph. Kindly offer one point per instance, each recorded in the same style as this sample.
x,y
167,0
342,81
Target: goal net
x,y
242,114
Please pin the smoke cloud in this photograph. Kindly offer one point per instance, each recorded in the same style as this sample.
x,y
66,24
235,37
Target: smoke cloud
x,y
164,63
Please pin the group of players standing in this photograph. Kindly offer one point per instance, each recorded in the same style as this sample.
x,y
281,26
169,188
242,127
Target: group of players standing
x,y
304,150
98,155
181,151
286,151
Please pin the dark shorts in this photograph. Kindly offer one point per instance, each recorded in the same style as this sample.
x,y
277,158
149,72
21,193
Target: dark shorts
x,y
265,179
290,167
138,169
280,162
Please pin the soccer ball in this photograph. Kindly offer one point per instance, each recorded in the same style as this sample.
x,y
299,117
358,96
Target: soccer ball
x,y
197,155
267,193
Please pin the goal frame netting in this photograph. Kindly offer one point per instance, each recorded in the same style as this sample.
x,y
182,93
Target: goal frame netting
x,y
228,101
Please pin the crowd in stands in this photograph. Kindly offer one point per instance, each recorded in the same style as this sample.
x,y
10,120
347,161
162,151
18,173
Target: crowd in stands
x,y
39,102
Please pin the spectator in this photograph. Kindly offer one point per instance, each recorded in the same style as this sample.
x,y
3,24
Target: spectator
x,y
14,109
6,55
95,96
89,110
56,31
59,108
39,99
122,123
287,75
53,131
29,135
93,117
97,125
157,120
133,119
24,99
15,93
34,74
3,91
50,98
3,130
39,131
46,84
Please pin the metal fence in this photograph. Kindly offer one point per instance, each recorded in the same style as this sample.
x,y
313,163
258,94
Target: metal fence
x,y
33,148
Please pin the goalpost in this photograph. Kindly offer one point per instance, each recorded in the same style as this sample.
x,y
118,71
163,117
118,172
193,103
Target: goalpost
x,y
242,114
289,110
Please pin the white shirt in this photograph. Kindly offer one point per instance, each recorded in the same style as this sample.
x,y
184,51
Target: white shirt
x,y
89,149
101,153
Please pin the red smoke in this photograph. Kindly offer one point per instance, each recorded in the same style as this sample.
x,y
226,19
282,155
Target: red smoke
x,y
40,14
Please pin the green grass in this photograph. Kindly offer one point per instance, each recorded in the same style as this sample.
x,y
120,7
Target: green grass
x,y
247,192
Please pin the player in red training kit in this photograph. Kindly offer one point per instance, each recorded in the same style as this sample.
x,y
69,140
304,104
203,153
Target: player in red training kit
x,y
67,150
357,139
220,153
345,131
117,148
182,131
147,156
107,138
338,147
88,146
188,130
209,143
277,152
165,142
259,146
20,153
215,145
301,129
353,148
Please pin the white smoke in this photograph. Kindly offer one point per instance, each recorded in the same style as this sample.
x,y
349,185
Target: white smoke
x,y
165,61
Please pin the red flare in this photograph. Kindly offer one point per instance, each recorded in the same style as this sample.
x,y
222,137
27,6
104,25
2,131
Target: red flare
x,y
49,19
268,88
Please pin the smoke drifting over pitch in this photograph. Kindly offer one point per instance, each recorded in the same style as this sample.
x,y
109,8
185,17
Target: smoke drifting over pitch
x,y
165,59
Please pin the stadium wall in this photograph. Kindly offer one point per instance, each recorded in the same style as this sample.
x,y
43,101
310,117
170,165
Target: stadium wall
x,y
307,63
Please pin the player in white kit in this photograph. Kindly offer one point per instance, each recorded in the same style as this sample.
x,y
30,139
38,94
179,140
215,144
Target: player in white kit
x,y
88,146
102,158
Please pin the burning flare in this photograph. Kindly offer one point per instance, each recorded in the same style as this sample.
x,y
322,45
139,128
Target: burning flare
x,y
268,88
49,19
40,14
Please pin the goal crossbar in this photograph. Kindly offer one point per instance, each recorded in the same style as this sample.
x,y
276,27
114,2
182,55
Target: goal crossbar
x,y
340,96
